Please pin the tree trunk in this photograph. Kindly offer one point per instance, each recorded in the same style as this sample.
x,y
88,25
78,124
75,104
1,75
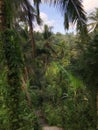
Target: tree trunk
x,y
12,56
32,42
24,88
31,32
97,107
13,64
2,16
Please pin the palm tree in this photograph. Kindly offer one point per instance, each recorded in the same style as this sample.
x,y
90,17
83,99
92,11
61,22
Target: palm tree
x,y
12,54
72,11
94,27
47,32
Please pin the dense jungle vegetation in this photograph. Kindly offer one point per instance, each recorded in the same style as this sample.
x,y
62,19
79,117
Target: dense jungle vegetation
x,y
46,78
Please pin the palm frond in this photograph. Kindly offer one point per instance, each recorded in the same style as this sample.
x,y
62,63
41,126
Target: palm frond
x,y
73,12
26,11
92,26
37,3
94,18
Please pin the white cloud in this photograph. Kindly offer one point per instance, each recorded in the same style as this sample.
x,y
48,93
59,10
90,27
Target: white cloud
x,y
45,20
90,5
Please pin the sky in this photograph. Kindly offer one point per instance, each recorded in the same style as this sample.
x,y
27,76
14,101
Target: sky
x,y
53,17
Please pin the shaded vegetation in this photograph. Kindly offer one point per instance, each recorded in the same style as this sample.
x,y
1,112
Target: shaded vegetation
x,y
47,78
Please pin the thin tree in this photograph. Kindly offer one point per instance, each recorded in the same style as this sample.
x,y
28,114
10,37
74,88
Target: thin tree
x,y
12,56
72,10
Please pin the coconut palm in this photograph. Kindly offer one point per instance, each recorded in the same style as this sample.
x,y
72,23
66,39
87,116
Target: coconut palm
x,y
72,11
94,27
12,53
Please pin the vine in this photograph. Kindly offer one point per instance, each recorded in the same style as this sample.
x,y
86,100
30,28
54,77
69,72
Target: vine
x,y
14,63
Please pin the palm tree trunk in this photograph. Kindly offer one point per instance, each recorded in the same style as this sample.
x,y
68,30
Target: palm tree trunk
x,y
24,87
31,32
2,16
32,42
97,107
12,56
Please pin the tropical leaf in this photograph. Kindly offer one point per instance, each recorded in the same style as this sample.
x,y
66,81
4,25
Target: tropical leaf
x,y
73,81
37,3
94,18
73,12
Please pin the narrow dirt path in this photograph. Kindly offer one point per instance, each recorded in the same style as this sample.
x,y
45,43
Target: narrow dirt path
x,y
41,117
51,128
43,123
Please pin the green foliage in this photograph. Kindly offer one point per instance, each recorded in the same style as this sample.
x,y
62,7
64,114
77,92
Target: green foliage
x,y
47,32
52,114
55,90
56,85
91,63
66,101
85,67
3,110
8,12
63,96
14,111
13,63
